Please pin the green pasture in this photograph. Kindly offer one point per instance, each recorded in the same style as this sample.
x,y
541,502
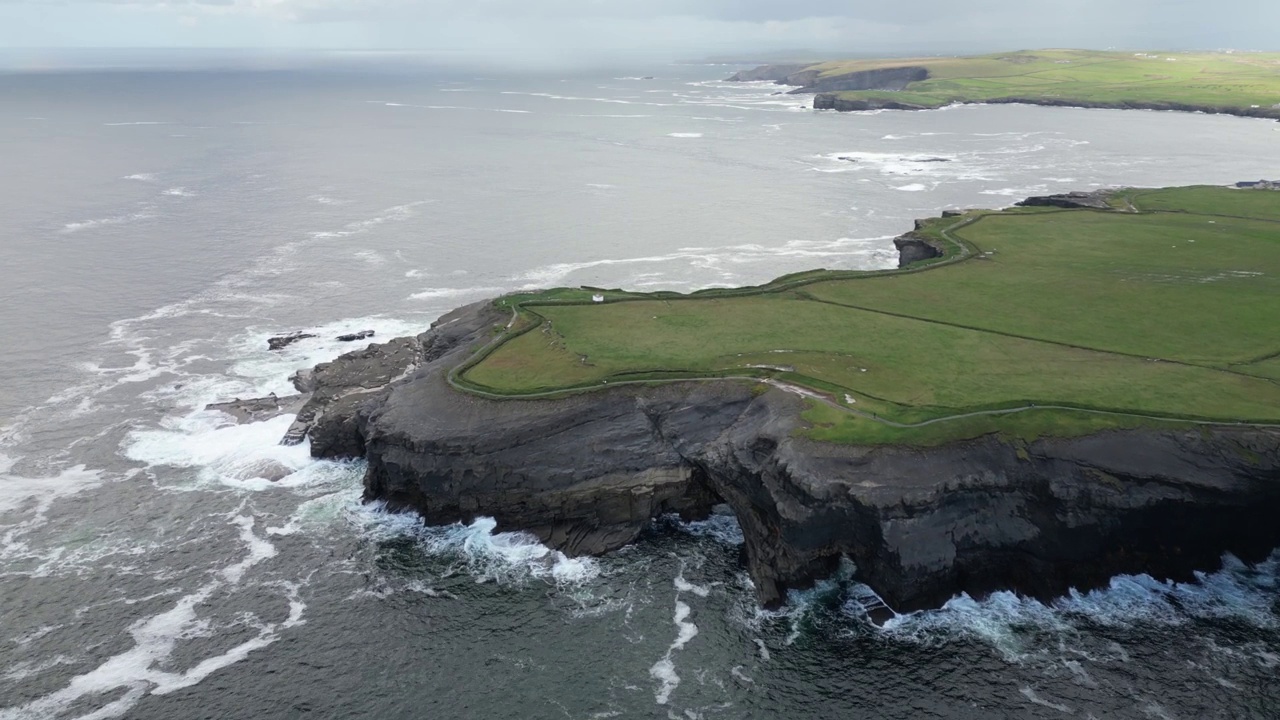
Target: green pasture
x,y
1077,319
1227,81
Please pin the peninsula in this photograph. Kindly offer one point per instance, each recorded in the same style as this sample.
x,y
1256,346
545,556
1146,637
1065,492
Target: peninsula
x,y
1246,84
1040,398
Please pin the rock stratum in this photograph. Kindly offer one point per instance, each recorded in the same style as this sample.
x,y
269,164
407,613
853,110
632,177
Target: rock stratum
x,y
587,473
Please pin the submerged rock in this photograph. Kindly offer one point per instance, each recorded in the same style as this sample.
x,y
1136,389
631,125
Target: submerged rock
x,y
352,337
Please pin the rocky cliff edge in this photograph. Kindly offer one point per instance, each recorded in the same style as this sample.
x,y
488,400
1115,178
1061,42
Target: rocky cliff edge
x,y
586,473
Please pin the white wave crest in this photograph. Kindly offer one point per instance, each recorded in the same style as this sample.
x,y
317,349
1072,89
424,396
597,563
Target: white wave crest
x,y
510,558
143,668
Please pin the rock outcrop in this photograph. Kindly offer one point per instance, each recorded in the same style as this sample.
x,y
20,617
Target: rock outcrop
x,y
279,342
832,101
586,473
913,248
1089,200
892,79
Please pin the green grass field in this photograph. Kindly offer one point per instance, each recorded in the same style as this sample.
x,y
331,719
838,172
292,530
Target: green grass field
x,y
1166,315
1229,82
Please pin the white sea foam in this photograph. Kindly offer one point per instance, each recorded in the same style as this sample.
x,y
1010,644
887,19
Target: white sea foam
x,y
1034,697
73,227
145,668
684,135
248,455
138,122
437,293
17,491
1016,191
178,192
664,670
913,187
453,107
372,257
1237,591
861,253
141,177
509,558
721,526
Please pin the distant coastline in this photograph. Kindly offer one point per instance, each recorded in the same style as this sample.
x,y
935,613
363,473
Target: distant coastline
x,y
1241,84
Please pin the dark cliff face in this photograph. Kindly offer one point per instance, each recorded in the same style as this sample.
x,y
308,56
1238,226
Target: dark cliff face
x,y
586,473
830,100
893,79
770,73
912,249
808,78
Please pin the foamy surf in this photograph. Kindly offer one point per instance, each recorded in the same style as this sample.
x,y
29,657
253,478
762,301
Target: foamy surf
x,y
664,670
249,456
146,667
511,558
1005,620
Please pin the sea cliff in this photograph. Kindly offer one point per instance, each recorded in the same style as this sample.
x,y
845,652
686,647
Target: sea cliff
x,y
1219,83
587,472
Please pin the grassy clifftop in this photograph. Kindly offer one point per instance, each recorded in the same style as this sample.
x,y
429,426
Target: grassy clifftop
x,y
1035,321
1239,83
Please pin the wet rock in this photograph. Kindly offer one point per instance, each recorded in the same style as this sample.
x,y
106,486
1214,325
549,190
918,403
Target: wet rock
x,y
303,380
259,409
352,337
266,469
282,341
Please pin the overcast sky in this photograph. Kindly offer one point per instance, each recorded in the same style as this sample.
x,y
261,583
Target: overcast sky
x,y
573,29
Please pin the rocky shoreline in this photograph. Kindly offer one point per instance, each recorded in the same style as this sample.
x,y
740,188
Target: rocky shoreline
x,y
587,473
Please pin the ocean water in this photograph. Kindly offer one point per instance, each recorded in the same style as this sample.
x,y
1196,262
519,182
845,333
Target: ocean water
x,y
159,225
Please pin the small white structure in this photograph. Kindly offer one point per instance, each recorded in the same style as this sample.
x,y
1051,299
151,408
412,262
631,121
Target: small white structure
x,y
597,298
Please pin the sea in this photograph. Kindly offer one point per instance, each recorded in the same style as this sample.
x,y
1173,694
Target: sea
x,y
159,223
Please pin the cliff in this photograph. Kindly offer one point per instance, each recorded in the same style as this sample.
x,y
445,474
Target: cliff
x,y
586,473
769,73
831,100
810,79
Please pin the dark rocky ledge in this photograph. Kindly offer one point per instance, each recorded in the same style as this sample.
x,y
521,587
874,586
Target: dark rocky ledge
x,y
914,248
828,100
586,473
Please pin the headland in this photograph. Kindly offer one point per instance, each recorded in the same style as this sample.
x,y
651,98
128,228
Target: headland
x,y
1040,398
1245,84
